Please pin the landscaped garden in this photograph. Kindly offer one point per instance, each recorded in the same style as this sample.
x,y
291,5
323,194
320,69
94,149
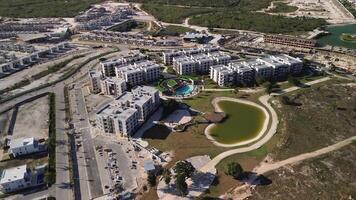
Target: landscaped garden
x,y
176,86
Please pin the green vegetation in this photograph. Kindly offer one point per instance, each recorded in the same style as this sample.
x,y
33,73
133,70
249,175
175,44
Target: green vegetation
x,y
183,170
257,22
172,14
348,37
128,26
233,169
50,174
231,14
171,83
199,3
167,176
281,7
348,5
169,106
151,179
43,8
243,122
174,31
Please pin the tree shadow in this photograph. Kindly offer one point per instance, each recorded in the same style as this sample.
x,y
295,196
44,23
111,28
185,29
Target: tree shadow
x,y
253,178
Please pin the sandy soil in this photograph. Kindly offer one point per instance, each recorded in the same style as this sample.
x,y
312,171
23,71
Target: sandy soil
x,y
32,120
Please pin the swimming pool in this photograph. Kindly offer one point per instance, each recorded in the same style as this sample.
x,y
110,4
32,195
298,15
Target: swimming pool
x,y
184,90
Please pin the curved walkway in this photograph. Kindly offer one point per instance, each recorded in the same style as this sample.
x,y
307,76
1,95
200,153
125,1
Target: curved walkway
x,y
242,143
273,128
266,167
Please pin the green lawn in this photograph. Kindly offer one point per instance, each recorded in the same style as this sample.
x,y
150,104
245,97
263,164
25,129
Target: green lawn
x,y
43,8
171,83
174,30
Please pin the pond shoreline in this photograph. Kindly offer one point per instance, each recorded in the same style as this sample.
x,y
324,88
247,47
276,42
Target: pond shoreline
x,y
217,108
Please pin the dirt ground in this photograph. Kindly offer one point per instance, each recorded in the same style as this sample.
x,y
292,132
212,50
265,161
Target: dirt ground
x,y
324,117
327,177
32,119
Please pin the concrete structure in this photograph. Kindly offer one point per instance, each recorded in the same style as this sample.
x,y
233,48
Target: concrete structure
x,y
108,66
290,41
168,56
138,73
24,146
95,85
267,68
113,86
124,114
15,178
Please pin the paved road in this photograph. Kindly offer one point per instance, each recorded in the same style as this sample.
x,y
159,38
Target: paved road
x,y
91,166
63,183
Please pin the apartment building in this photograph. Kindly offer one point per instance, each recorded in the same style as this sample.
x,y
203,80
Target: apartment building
x,y
167,57
184,65
204,62
108,66
113,86
95,81
220,58
124,114
138,73
290,41
270,67
15,178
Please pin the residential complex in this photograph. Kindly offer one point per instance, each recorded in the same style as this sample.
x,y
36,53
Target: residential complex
x,y
196,60
267,68
290,41
125,114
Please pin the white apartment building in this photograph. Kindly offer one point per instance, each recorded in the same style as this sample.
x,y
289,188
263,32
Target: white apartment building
x,y
113,86
204,62
15,178
270,67
24,146
108,66
139,73
220,58
184,65
168,56
95,80
124,114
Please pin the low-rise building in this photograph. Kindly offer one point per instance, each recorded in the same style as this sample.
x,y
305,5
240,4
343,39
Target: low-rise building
x,y
24,146
138,73
15,178
290,41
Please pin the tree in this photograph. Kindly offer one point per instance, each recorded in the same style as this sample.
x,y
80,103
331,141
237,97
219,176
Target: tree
x,y
167,176
185,168
151,179
233,169
181,185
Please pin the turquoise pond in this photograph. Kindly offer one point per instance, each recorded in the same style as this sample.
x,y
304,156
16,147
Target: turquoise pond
x,y
184,90
334,39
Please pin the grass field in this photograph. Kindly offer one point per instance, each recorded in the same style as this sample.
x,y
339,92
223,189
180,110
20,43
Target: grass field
x,y
282,7
174,31
326,177
43,8
324,118
171,83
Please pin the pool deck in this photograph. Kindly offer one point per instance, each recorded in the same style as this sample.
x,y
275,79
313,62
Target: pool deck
x,y
242,143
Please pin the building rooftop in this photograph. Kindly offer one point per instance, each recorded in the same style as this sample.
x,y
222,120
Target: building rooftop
x,y
20,142
12,174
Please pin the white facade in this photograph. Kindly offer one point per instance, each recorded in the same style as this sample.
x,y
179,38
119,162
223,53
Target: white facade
x,y
113,86
124,114
15,178
270,67
24,146
95,81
